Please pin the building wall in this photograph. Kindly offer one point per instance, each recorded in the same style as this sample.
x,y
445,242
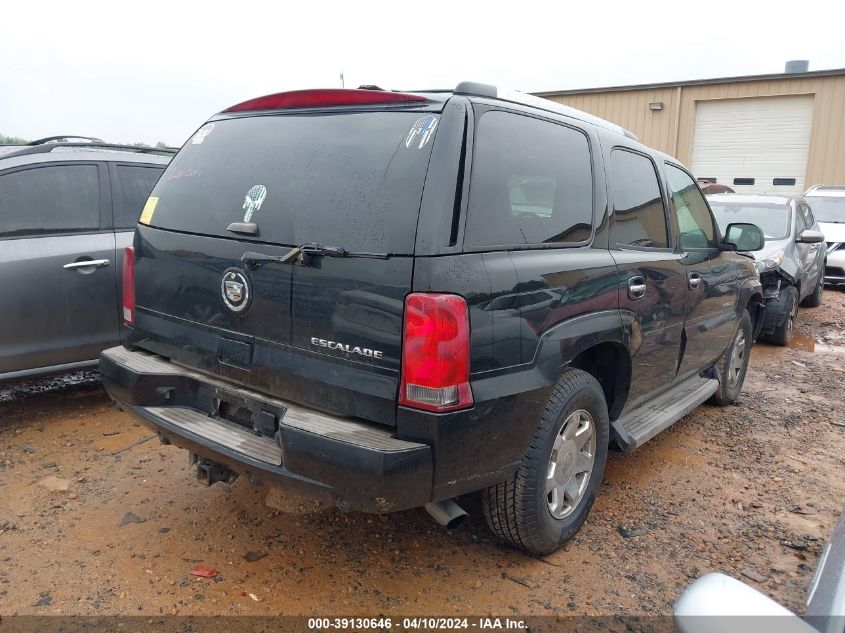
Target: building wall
x,y
671,129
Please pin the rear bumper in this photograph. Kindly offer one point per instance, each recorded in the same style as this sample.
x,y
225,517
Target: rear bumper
x,y
355,465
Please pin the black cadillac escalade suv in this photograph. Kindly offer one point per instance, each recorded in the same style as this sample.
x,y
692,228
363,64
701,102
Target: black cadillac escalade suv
x,y
390,299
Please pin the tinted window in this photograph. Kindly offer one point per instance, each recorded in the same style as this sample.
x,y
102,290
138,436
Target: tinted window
x,y
352,180
694,218
135,185
54,199
531,183
639,218
773,219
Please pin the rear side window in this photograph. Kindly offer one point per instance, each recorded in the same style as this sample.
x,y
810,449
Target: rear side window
x,y
49,200
639,218
531,183
352,180
135,184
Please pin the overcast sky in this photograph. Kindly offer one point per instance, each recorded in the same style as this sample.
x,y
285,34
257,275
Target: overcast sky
x,y
155,74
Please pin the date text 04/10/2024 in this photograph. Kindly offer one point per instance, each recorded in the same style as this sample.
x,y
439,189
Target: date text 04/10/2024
x,y
417,623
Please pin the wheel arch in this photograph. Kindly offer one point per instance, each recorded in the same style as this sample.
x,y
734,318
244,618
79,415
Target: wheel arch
x,y
610,364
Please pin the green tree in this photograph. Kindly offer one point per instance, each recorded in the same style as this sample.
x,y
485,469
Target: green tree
x,y
12,140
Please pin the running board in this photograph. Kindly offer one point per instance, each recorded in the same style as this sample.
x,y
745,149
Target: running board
x,y
637,426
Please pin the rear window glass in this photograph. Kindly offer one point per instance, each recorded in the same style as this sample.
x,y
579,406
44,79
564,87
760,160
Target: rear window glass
x,y
352,180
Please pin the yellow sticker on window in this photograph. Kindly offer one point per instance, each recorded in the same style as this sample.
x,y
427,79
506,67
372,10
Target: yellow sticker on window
x,y
149,209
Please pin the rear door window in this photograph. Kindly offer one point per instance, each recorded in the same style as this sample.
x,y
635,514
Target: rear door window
x,y
135,182
639,217
352,180
531,183
49,200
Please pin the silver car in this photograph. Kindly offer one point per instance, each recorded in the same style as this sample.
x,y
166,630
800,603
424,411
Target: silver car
x,y
791,265
717,602
67,211
828,205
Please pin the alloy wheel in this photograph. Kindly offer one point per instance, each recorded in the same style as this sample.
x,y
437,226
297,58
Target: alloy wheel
x,y
571,464
737,358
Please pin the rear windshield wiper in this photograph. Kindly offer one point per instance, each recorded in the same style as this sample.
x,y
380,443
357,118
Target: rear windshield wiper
x,y
302,252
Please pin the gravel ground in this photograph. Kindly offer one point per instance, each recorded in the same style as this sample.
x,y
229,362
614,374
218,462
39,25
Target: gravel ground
x,y
97,518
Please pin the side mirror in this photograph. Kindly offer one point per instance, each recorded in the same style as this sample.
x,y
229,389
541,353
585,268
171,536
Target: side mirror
x,y
810,237
744,237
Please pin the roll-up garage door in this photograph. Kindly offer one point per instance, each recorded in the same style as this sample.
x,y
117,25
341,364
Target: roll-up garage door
x,y
754,145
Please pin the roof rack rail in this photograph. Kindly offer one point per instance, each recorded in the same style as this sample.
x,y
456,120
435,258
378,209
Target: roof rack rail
x,y
477,89
47,147
65,137
826,188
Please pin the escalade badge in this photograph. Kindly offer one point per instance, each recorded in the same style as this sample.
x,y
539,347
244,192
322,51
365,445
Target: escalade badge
x,y
235,290
349,349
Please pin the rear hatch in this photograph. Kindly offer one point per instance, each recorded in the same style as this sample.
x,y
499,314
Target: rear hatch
x,y
320,330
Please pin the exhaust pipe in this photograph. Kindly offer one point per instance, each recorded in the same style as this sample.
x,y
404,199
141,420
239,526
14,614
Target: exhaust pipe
x,y
447,513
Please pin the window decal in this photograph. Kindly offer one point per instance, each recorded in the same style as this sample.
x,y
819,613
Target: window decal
x,y
204,131
149,209
424,129
253,200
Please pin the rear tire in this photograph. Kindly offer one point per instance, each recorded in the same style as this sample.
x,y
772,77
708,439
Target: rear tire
x,y
815,299
547,500
732,367
789,304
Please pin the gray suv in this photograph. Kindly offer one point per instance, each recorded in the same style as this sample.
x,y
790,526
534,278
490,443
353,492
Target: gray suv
x,y
67,211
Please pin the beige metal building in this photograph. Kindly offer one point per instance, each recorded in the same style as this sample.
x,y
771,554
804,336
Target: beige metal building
x,y
758,134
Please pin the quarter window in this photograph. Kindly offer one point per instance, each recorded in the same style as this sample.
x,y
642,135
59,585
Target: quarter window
x,y
531,183
639,218
695,221
53,199
136,183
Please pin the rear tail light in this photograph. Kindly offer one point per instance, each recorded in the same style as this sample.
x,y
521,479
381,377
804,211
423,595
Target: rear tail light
x,y
435,353
129,286
323,97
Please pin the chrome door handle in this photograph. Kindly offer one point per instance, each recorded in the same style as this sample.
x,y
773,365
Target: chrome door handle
x,y
694,280
636,288
89,263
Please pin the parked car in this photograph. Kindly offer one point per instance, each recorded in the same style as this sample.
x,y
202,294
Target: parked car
x,y
828,205
716,602
708,187
792,263
315,306
67,211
